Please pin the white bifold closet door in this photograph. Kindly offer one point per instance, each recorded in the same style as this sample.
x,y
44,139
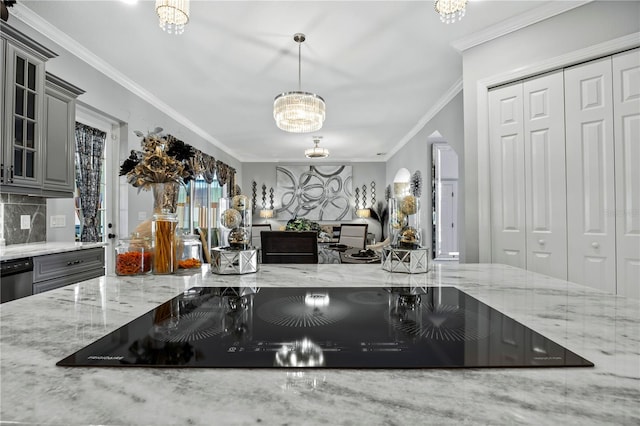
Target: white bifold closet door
x,y
506,151
545,175
626,129
528,187
590,175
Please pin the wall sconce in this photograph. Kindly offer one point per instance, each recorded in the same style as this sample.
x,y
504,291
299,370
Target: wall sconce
x,y
266,213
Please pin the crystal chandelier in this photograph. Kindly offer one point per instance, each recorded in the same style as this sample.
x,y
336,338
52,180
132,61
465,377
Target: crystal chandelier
x,y
316,151
173,15
298,111
450,10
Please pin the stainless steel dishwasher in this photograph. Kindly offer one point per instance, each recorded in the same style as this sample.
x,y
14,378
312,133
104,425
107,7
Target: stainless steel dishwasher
x,y
16,279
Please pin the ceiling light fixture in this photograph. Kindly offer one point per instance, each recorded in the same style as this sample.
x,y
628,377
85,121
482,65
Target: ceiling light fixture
x,y
298,111
173,15
450,10
316,151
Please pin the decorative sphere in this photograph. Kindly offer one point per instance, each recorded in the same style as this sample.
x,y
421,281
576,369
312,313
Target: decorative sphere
x,y
239,238
231,218
398,220
409,205
241,202
409,237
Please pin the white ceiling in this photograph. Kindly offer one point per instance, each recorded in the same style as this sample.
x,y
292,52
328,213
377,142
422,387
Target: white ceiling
x,y
381,66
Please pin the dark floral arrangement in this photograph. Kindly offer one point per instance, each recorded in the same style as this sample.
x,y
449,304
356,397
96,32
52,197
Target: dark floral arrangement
x,y
302,224
163,159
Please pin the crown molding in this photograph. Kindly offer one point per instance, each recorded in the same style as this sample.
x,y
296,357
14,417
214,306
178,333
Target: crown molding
x,y
44,27
516,23
10,33
75,91
435,109
610,47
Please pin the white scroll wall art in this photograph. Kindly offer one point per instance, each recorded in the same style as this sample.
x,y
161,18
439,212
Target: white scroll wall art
x,y
314,192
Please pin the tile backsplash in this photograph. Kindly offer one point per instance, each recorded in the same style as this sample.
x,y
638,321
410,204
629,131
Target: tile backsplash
x,y
14,209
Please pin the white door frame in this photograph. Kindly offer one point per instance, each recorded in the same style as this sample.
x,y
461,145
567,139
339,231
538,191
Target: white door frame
x,y
482,90
447,224
111,126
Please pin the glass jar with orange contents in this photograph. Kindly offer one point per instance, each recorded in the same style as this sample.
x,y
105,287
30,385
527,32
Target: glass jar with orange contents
x,y
190,252
133,256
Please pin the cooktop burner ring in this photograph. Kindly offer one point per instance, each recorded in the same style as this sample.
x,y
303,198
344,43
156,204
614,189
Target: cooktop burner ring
x,y
193,326
311,310
441,322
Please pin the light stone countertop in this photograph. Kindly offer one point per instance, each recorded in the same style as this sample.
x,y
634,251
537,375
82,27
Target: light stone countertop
x,y
38,331
15,251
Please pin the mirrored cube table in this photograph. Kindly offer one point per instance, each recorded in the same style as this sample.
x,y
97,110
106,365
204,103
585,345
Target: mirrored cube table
x,y
408,261
228,261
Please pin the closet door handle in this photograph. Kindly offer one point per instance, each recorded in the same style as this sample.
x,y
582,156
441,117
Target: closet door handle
x,y
542,242
595,245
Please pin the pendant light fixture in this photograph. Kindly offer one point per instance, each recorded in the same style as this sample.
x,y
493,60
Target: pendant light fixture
x,y
316,151
450,10
173,15
298,111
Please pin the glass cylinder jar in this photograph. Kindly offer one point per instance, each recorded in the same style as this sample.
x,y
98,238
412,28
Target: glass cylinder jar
x,y
404,222
190,252
163,231
235,222
133,256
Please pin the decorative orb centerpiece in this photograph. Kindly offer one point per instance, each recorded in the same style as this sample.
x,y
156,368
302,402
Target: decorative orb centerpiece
x,y
231,218
409,238
241,203
409,205
235,254
404,222
397,220
239,238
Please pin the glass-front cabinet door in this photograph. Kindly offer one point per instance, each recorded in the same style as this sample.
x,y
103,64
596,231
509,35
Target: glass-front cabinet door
x,y
24,88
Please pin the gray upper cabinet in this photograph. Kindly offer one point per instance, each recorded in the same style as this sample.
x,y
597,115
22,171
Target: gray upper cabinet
x,y
23,108
24,88
58,146
37,155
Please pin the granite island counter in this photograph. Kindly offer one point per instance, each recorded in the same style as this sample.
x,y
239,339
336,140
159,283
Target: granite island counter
x,y
16,251
38,331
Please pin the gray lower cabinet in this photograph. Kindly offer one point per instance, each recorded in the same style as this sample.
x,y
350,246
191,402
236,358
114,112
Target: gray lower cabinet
x,y
58,270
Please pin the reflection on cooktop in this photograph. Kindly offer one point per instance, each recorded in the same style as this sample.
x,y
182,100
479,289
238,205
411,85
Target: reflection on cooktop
x,y
439,322
308,310
348,327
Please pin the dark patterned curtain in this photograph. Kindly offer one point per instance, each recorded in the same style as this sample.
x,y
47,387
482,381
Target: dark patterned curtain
x,y
89,147
208,168
222,172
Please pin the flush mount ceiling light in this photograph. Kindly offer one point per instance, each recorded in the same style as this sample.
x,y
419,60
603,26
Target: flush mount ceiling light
x,y
173,15
450,10
298,111
316,151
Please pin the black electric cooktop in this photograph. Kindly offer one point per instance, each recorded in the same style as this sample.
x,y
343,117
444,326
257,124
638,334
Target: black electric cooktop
x,y
348,327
